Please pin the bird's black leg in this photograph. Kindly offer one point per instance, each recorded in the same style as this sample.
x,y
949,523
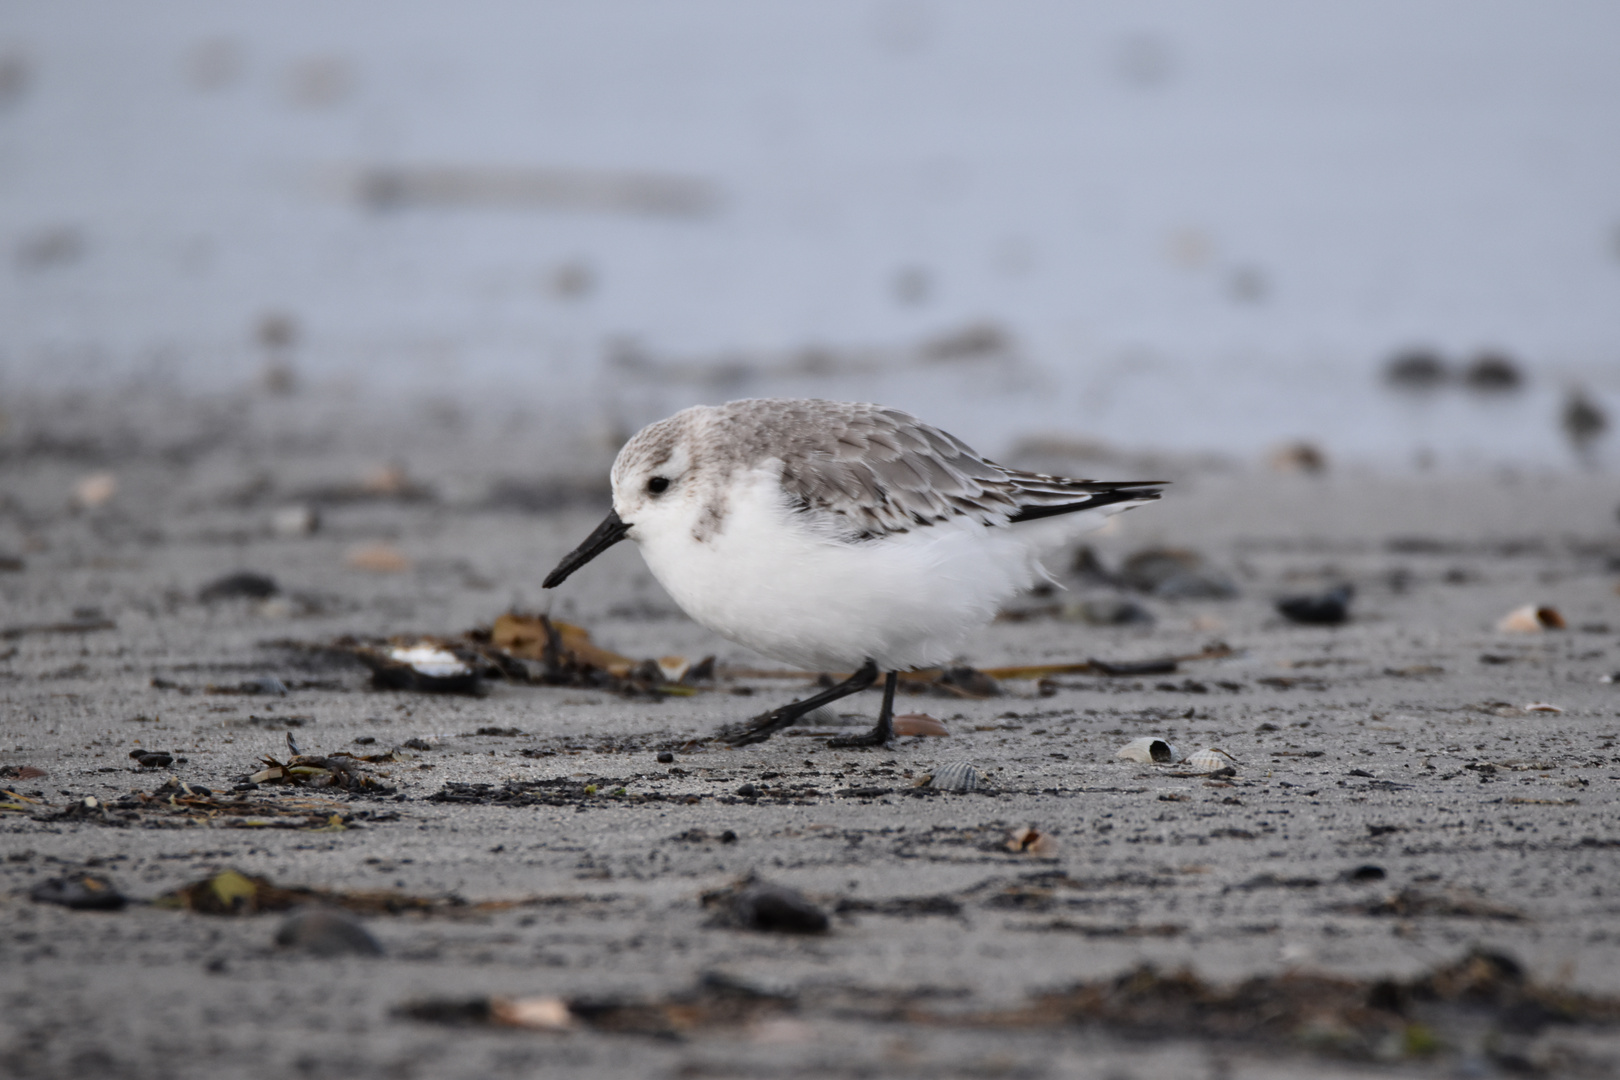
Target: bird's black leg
x,y
765,725
880,735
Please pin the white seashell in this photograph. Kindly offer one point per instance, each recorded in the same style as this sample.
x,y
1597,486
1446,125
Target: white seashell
x,y
1542,706
1150,750
295,521
430,660
1530,619
956,776
1209,760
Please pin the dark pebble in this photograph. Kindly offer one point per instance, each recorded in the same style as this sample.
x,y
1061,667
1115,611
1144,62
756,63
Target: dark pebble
x,y
151,759
1418,369
776,909
81,892
1325,609
1367,872
325,932
665,757
1494,372
748,791
728,837
244,583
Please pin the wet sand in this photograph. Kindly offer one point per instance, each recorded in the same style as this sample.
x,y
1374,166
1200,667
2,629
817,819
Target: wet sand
x,y
1400,741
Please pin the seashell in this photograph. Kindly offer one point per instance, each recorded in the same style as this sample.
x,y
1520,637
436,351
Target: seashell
x,y
536,1013
1209,760
956,776
95,489
1542,706
430,660
1028,840
295,521
1149,750
919,724
1531,619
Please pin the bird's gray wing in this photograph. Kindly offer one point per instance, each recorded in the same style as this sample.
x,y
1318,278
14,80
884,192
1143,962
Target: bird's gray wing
x,y
863,472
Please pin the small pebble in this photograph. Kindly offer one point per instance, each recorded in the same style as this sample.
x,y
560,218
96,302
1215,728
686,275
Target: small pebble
x,y
325,932
775,909
81,892
244,583
665,757
1324,609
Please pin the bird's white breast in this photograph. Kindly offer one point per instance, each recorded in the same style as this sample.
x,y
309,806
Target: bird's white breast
x,y
766,580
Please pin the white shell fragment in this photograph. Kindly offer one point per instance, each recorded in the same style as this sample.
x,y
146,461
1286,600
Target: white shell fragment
x,y
1210,759
956,776
1530,619
1149,750
536,1013
1542,706
429,660
295,521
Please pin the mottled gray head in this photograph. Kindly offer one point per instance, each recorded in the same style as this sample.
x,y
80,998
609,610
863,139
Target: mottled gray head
x,y
654,469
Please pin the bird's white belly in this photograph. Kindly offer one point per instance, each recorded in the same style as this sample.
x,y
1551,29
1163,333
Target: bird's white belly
x,y
905,601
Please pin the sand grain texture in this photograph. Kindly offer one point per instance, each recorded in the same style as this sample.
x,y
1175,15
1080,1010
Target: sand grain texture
x,y
1399,740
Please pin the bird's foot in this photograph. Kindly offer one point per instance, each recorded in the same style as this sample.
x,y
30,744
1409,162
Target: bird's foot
x,y
878,736
759,728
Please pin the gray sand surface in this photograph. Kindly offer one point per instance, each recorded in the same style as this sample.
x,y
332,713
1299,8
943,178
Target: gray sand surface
x,y
1400,740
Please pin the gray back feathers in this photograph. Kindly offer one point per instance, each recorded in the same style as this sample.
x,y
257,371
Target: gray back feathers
x,y
866,471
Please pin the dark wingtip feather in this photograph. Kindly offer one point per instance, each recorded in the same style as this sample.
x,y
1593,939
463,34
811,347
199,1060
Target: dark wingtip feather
x,y
1126,492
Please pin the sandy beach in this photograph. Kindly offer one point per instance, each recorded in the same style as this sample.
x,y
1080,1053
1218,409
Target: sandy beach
x,y
1407,789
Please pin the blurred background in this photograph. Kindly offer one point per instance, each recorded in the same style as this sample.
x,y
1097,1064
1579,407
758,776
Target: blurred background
x,y
1390,230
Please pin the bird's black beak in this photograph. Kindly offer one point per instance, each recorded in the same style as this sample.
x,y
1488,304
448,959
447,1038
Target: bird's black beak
x,y
610,532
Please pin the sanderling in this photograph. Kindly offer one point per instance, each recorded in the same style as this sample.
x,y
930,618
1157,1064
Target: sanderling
x,y
834,536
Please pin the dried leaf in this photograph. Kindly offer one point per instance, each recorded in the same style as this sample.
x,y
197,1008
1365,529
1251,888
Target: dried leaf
x,y
525,636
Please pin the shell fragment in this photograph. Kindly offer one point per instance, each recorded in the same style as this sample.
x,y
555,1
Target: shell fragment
x,y
429,660
1150,751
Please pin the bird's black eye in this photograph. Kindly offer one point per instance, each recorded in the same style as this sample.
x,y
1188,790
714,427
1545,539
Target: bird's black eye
x,y
658,485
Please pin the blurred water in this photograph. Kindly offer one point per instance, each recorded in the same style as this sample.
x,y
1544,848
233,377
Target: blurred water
x,y
1188,225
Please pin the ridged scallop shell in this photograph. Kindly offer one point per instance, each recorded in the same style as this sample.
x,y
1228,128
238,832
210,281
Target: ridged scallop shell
x,y
956,776
1209,760
1149,750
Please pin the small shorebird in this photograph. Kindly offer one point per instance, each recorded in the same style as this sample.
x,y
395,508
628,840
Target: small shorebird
x,y
834,536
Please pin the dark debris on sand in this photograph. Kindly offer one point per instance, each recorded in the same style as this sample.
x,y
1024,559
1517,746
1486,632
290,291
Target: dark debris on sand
x,y
1483,1006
